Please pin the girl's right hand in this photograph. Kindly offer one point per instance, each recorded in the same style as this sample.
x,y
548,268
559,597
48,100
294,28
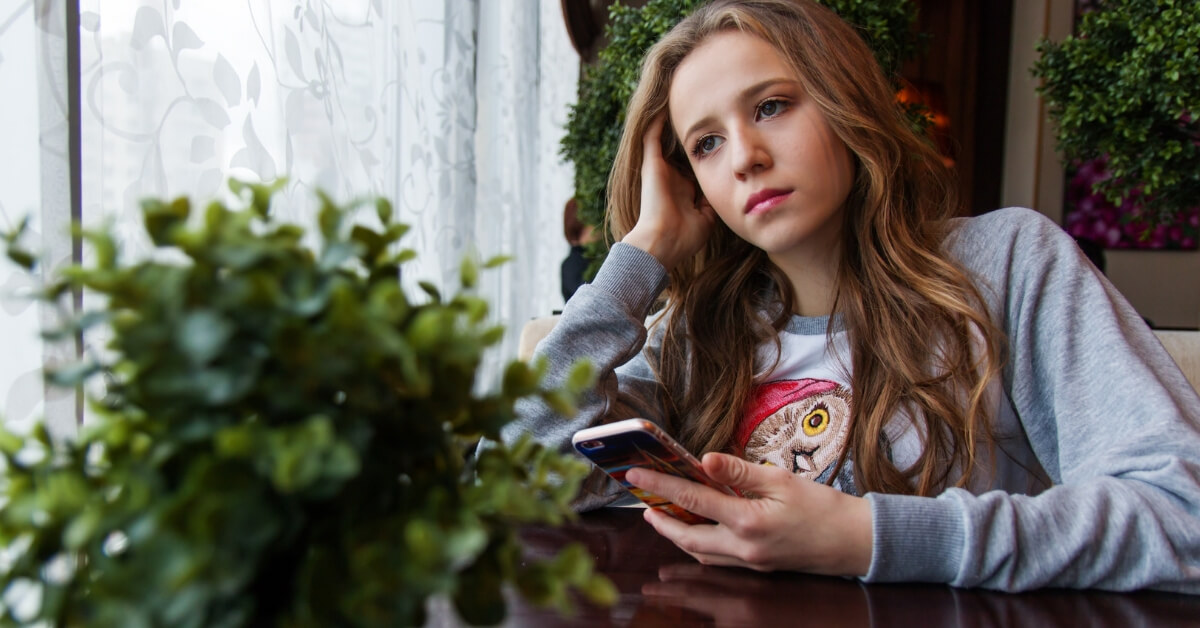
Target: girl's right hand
x,y
675,219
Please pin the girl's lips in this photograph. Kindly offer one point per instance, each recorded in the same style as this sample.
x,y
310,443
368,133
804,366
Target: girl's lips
x,y
764,200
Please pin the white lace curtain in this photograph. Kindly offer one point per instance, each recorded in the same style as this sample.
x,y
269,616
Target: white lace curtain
x,y
451,108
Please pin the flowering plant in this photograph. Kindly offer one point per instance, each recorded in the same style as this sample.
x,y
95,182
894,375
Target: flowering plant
x,y
1122,92
1124,224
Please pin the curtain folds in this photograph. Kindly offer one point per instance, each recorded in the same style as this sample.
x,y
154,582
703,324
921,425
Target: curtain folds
x,y
36,186
451,108
522,88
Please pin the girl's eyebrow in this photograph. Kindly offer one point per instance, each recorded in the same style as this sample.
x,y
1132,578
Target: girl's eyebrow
x,y
750,93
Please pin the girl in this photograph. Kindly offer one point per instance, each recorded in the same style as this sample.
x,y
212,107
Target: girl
x,y
908,396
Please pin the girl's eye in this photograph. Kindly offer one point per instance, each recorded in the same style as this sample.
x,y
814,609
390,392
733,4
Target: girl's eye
x,y
706,145
771,108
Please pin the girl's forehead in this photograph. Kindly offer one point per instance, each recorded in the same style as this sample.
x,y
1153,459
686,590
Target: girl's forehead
x,y
728,55
721,66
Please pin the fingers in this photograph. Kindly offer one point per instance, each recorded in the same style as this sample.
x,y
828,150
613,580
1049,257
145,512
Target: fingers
x,y
691,496
652,140
762,480
793,524
708,544
674,220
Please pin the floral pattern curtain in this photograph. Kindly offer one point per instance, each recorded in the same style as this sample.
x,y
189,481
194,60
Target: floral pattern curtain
x,y
34,176
451,108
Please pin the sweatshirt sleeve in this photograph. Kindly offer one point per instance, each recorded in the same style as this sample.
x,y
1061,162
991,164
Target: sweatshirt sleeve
x,y
1108,414
604,323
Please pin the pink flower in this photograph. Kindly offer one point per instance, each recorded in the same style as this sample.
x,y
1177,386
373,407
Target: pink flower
x,y
1092,215
1113,237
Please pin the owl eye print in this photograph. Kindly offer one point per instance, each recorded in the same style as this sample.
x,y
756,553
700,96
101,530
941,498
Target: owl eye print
x,y
802,425
816,421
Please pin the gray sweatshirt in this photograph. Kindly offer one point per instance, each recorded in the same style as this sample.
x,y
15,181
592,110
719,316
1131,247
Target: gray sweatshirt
x,y
1097,481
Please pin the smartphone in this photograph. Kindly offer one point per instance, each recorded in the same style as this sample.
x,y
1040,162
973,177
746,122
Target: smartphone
x,y
618,447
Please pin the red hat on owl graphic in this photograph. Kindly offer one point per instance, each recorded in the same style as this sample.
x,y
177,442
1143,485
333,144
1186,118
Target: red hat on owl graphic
x,y
769,398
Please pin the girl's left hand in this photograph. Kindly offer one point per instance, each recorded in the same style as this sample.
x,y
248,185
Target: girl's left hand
x,y
793,524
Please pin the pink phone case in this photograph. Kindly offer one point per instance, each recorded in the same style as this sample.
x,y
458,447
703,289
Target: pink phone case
x,y
618,447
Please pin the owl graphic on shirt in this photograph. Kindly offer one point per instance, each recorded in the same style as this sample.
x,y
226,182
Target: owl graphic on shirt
x,y
802,425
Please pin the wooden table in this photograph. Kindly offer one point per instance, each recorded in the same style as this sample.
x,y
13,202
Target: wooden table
x,y
662,586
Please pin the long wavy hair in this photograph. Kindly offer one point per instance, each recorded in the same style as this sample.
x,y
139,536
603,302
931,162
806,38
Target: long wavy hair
x,y
920,339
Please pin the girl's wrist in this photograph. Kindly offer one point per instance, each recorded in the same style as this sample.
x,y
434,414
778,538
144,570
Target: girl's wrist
x,y
861,539
647,243
651,243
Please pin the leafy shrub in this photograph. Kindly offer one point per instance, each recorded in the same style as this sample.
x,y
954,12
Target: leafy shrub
x,y
1125,89
595,122
281,440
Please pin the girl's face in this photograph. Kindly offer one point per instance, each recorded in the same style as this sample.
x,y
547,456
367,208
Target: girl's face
x,y
765,158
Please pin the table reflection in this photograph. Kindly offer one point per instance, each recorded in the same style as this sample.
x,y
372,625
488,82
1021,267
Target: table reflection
x,y
662,586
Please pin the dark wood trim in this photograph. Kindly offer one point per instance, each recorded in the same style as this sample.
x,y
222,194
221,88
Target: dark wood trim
x,y
991,103
964,74
583,27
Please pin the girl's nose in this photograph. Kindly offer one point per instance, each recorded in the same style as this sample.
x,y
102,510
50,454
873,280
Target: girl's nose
x,y
750,154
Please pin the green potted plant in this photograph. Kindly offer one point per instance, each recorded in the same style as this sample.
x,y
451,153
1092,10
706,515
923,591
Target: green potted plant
x,y
596,120
282,438
1124,94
